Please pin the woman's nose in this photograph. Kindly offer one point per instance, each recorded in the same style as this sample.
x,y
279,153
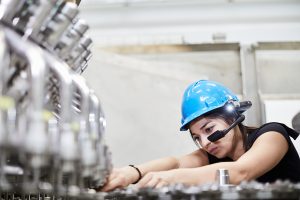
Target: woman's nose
x,y
205,142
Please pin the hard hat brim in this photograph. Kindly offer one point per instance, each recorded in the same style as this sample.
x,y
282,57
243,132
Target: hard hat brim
x,y
196,115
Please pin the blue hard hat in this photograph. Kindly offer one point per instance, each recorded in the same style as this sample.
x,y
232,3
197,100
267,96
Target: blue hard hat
x,y
201,97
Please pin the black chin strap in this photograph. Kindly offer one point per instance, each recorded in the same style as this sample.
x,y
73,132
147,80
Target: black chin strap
x,y
219,134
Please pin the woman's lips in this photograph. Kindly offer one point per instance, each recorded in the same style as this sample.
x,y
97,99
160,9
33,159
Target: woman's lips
x,y
213,150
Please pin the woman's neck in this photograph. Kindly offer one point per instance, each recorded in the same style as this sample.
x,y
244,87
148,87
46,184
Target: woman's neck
x,y
237,145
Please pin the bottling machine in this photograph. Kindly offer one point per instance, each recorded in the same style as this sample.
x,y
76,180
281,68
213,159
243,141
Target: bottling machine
x,y
51,122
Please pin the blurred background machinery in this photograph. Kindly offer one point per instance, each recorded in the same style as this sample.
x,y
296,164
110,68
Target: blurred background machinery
x,y
51,123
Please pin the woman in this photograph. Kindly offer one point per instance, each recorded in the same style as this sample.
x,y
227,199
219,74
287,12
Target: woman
x,y
213,116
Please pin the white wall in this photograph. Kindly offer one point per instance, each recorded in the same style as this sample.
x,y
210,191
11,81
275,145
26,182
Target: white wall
x,y
142,108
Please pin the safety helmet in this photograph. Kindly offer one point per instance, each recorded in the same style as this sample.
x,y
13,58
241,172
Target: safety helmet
x,y
201,97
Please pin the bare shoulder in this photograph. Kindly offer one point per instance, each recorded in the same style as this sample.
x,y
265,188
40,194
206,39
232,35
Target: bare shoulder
x,y
268,148
265,153
272,138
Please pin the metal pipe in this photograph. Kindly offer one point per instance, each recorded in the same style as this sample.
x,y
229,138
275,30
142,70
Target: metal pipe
x,y
97,119
84,90
61,69
37,69
3,58
3,133
42,10
7,113
98,123
87,145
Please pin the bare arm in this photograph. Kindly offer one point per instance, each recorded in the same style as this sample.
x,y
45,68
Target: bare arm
x,y
195,159
261,158
124,176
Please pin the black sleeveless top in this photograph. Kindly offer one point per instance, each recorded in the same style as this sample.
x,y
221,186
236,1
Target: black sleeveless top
x,y
289,166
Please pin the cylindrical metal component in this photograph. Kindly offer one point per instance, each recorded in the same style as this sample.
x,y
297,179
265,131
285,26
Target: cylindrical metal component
x,y
222,177
78,51
81,26
59,24
42,11
79,63
86,42
71,39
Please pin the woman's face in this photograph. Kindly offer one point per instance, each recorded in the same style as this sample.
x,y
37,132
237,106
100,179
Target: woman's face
x,y
201,128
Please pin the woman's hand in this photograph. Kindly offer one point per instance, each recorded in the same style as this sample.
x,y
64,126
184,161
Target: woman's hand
x,y
120,178
157,179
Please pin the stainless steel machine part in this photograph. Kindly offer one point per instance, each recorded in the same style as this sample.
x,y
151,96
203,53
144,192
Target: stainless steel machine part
x,y
222,177
70,39
83,45
41,10
9,9
97,124
59,24
39,103
87,145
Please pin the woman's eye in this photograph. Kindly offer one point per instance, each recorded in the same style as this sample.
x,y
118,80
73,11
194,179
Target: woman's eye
x,y
209,129
196,138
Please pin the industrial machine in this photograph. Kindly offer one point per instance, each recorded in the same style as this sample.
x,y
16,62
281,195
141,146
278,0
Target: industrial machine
x,y
51,123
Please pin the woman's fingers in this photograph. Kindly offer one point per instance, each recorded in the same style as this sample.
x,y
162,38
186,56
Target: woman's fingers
x,y
144,180
115,180
160,184
119,178
113,184
111,177
152,182
122,178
